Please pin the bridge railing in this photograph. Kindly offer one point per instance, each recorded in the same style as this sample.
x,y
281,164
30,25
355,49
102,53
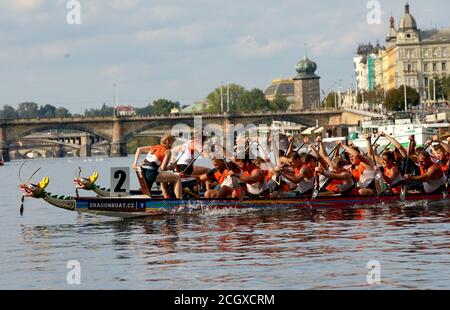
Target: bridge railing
x,y
161,117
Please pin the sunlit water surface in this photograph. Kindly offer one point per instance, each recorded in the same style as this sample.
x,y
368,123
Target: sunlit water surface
x,y
284,249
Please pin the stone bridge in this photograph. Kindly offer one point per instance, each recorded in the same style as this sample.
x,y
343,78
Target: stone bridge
x,y
119,130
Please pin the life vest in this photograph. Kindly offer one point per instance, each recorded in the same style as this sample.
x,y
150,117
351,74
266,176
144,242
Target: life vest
x,y
188,153
221,176
156,154
362,176
444,167
398,179
339,186
258,186
433,185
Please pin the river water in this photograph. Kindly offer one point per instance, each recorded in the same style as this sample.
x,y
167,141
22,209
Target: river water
x,y
285,249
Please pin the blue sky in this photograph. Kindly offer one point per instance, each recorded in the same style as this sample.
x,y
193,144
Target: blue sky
x,y
180,50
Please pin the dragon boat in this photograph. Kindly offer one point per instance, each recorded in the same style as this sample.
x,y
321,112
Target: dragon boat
x,y
134,206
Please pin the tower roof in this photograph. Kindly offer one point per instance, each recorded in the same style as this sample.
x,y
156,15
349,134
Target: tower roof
x,y
306,69
407,22
392,34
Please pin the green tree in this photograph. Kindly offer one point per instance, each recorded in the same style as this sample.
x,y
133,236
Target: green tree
x,y
279,104
446,87
330,100
62,112
145,111
47,111
28,110
163,106
395,98
252,101
240,100
103,111
237,100
8,112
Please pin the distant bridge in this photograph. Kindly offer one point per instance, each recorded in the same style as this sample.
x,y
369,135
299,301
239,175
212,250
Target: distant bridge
x,y
117,131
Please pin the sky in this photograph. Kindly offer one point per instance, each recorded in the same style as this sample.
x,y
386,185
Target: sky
x,y
181,50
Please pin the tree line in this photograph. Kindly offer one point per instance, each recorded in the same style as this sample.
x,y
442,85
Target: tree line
x,y
236,99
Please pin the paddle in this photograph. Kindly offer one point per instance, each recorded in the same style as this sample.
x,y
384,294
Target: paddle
x,y
298,149
316,176
380,185
385,148
191,163
277,179
23,198
404,189
445,192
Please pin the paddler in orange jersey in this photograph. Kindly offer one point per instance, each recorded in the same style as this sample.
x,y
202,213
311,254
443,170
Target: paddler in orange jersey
x,y
362,170
302,173
341,180
431,175
391,174
441,152
228,185
156,164
253,177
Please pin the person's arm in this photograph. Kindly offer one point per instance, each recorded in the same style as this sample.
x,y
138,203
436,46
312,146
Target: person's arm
x,y
390,179
442,143
431,174
166,160
395,143
293,178
337,176
256,175
367,162
139,151
324,158
370,152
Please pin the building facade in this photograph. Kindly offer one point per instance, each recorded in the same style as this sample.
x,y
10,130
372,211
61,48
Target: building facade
x,y
413,57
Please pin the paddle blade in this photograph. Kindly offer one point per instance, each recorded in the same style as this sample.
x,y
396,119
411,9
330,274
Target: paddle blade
x,y
315,194
403,193
21,206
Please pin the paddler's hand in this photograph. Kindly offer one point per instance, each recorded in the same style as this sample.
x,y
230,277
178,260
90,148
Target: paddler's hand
x,y
134,166
319,139
436,139
369,136
306,140
407,177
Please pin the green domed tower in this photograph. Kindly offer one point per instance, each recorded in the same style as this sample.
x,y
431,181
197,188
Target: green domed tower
x,y
306,86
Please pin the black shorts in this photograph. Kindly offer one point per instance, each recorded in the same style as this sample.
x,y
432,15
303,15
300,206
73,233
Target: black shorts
x,y
150,175
182,168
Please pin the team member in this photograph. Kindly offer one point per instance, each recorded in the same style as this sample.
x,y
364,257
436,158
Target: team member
x,y
221,173
391,173
253,177
188,153
156,164
431,176
341,180
362,170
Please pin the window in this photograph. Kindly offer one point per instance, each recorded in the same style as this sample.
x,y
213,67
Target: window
x,y
444,66
425,67
444,52
426,82
434,67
